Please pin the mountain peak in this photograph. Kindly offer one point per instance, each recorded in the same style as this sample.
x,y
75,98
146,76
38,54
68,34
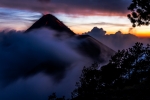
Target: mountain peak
x,y
51,22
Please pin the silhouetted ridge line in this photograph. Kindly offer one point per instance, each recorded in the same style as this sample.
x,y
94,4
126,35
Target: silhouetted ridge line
x,y
94,49
50,21
95,40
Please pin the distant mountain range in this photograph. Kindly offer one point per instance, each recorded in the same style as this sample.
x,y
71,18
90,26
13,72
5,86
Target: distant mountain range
x,y
88,45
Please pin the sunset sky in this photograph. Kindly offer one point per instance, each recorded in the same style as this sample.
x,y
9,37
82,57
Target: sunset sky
x,y
79,15
34,64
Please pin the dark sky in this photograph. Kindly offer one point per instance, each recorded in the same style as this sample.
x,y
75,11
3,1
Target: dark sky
x,y
71,6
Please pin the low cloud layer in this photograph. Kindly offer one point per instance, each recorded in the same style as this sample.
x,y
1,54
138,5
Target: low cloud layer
x,y
81,7
117,41
37,63
33,62
27,54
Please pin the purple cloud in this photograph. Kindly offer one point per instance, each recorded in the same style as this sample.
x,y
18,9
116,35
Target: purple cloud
x,y
83,7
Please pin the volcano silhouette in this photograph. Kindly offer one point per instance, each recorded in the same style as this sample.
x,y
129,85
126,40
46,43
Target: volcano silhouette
x,y
87,46
51,22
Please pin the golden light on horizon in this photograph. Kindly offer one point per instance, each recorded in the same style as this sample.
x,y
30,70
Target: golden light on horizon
x,y
142,32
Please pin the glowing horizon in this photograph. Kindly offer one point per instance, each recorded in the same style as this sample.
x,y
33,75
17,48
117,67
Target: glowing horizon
x,y
77,23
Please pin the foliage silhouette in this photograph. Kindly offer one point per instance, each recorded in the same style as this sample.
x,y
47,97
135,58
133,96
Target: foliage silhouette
x,y
140,12
126,76
54,97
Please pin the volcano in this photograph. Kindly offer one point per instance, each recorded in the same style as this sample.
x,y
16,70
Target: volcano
x,y
88,46
51,22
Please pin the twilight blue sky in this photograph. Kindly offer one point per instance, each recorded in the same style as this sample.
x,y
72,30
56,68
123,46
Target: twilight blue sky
x,y
80,15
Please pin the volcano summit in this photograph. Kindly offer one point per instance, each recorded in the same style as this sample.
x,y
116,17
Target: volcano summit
x,y
51,22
